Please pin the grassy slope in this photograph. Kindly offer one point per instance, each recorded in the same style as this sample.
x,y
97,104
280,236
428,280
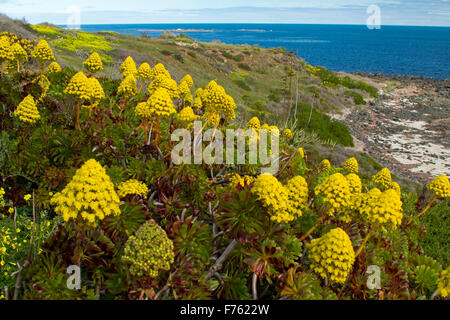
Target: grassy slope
x,y
206,61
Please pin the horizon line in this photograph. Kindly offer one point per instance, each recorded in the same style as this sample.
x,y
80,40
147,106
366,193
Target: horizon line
x,y
268,23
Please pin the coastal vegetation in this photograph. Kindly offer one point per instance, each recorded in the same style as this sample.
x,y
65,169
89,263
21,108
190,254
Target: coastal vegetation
x,y
86,179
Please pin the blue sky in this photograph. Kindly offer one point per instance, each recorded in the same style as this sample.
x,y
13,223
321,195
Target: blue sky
x,y
393,12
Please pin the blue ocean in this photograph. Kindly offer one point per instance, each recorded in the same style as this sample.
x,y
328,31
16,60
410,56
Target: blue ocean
x,y
399,50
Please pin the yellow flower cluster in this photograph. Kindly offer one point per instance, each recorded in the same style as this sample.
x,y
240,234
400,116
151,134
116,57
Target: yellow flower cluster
x,y
216,101
236,180
132,186
383,178
54,67
254,123
354,182
42,52
332,255
160,103
2,199
19,55
27,110
143,110
396,187
274,196
188,79
128,67
93,63
335,192
144,72
440,186
89,195
128,87
183,89
382,210
324,165
350,212
287,134
351,165
444,283
301,152
95,90
5,49
187,115
162,81
159,69
78,86
148,251
297,188
85,88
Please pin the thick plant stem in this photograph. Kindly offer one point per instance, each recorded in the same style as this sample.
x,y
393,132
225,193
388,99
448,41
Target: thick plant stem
x,y
157,132
313,228
218,264
427,207
364,243
78,116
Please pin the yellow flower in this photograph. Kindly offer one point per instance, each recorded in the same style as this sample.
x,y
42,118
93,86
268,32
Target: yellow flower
x,y
236,180
301,152
383,178
53,67
187,115
334,192
351,165
297,188
332,255
27,197
78,86
274,197
354,183
160,103
95,90
149,251
382,210
19,55
397,188
440,186
324,165
143,110
93,63
27,110
5,49
162,81
42,52
128,86
287,134
444,283
11,210
90,195
132,186
188,79
183,89
159,69
144,72
254,124
215,100
128,68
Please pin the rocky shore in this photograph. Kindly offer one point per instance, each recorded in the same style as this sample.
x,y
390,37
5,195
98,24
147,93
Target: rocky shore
x,y
407,128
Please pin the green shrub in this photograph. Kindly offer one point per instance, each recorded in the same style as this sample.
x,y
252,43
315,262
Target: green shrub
x,y
357,97
322,124
244,66
436,242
